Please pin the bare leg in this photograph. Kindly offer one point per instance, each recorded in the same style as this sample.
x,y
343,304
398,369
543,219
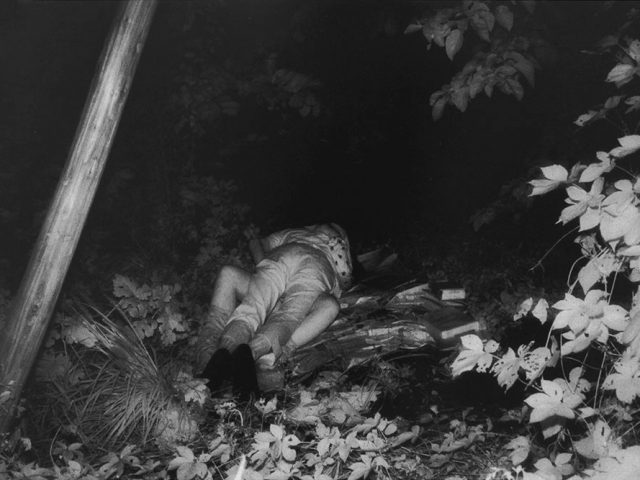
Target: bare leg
x,y
230,288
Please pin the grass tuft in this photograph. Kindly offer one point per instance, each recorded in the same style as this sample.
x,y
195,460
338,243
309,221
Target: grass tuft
x,y
115,393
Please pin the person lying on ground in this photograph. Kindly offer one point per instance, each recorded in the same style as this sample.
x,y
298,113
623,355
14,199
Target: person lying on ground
x,y
289,300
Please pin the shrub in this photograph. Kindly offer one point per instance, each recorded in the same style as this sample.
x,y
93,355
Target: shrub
x,y
588,412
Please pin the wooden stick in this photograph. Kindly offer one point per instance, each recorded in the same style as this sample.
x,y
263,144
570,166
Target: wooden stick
x,y
32,308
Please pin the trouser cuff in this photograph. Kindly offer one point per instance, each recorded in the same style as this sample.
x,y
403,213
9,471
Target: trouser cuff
x,y
235,333
260,345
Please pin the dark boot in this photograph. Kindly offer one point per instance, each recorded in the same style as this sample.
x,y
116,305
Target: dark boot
x,y
244,377
218,368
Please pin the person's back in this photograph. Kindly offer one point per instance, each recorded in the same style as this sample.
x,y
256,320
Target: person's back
x,y
331,239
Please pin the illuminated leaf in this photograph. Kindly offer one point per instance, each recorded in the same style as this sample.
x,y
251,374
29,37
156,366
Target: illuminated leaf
x,y
555,172
453,43
624,222
482,22
634,50
438,108
548,403
412,28
542,186
615,317
520,448
556,470
524,66
506,369
585,118
575,343
476,85
589,275
195,391
266,407
621,464
587,412
361,469
595,170
621,198
633,102
628,145
288,453
534,362
626,379
596,445
576,381
276,430
460,98
504,17
585,205
125,287
554,175
472,356
491,346
621,74
514,87
576,313
188,467
541,310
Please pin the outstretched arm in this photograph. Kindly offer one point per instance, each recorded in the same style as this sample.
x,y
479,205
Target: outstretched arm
x,y
323,313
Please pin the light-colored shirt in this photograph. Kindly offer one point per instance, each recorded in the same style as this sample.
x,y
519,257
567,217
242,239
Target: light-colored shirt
x,y
331,239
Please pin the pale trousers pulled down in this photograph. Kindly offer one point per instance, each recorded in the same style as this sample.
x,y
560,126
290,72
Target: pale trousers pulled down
x,y
280,295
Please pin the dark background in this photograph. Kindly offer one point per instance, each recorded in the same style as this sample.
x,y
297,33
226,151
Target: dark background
x,y
373,160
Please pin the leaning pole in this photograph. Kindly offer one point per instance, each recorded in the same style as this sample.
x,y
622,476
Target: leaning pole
x,y
33,305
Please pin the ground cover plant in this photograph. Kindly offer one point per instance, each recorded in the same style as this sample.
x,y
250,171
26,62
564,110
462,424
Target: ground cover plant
x,y
102,428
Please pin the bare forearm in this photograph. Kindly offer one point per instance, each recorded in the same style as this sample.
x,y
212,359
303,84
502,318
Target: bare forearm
x,y
319,319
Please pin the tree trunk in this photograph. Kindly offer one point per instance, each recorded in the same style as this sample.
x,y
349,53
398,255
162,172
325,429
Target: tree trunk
x,y
52,254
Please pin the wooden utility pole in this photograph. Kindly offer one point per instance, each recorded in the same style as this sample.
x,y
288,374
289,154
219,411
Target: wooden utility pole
x,y
52,254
